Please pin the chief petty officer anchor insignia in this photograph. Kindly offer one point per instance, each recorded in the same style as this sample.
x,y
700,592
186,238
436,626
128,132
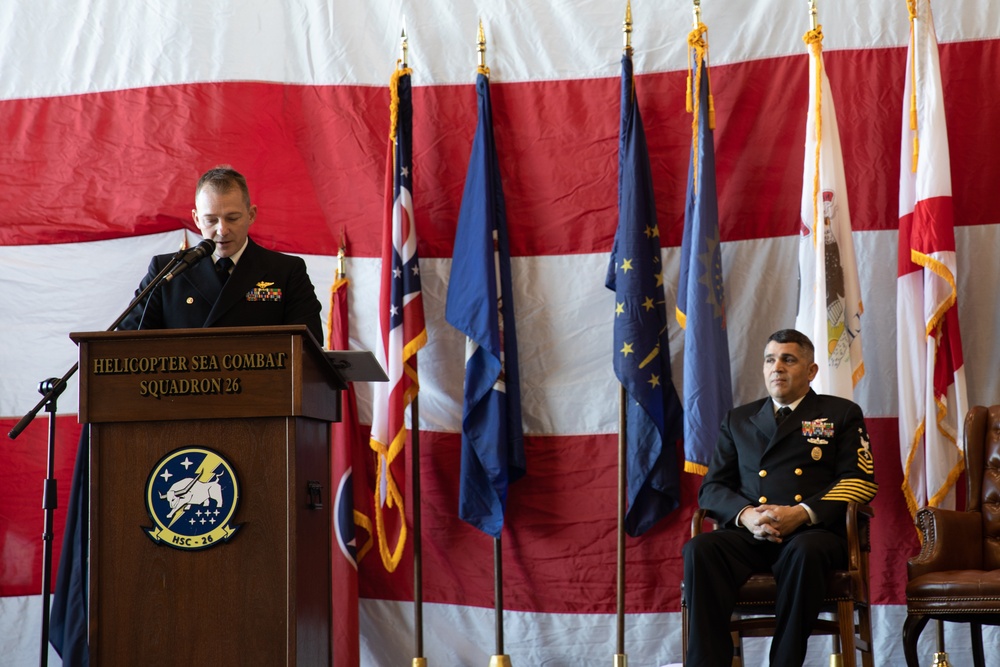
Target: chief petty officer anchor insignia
x,y
191,495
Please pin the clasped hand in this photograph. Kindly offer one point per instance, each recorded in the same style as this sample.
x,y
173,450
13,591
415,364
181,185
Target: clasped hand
x,y
773,522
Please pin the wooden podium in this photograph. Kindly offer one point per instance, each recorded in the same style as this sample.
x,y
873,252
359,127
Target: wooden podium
x,y
209,495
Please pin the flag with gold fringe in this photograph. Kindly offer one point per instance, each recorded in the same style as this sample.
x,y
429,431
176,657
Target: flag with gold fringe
x,y
351,529
401,329
701,295
830,306
932,393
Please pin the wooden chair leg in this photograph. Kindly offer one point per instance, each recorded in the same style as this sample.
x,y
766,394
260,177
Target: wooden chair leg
x,y
912,628
865,630
845,620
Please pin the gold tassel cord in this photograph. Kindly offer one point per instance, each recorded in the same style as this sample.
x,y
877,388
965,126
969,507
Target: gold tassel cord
x,y
697,51
394,98
814,39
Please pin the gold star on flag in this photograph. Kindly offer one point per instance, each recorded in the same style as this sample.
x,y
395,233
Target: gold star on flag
x,y
620,308
626,265
654,380
627,350
648,304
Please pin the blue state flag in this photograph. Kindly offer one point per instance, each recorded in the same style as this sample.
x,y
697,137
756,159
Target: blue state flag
x,y
481,306
701,301
654,417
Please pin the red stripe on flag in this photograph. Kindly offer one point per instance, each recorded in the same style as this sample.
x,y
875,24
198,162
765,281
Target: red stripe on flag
x,y
85,164
22,476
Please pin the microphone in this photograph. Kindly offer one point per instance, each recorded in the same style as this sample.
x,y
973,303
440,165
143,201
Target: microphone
x,y
192,257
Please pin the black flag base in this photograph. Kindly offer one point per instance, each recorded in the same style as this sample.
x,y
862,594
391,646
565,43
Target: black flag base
x,y
500,661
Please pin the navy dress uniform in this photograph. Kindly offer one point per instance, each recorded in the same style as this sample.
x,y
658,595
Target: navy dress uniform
x,y
265,288
818,456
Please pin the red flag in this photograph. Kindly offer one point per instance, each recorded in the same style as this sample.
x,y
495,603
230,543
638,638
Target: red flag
x,y
401,329
347,522
932,396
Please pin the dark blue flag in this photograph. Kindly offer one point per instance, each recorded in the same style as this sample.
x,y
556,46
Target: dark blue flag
x,y
68,617
654,418
481,306
701,301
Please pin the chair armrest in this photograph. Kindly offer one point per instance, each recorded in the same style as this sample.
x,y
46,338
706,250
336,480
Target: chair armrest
x,y
698,520
952,540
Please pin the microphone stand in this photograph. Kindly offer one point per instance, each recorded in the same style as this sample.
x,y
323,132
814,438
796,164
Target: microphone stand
x,y
51,389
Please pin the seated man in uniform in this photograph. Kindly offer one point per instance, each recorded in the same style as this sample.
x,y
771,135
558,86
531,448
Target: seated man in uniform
x,y
783,471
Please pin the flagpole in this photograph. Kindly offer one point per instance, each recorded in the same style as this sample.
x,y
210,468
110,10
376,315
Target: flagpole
x,y
418,583
498,659
418,561
621,658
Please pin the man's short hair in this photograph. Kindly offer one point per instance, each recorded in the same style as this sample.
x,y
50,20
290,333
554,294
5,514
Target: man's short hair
x,y
793,336
223,178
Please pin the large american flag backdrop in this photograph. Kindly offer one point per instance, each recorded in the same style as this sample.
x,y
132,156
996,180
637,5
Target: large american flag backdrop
x,y
110,110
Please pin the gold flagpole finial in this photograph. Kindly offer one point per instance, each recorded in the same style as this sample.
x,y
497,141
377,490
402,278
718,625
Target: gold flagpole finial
x,y
403,44
481,46
697,13
627,28
813,23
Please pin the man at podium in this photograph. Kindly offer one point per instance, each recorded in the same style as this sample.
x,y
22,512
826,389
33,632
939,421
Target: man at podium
x,y
243,284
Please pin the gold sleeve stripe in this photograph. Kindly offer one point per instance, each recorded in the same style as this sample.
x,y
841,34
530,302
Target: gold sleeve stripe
x,y
852,489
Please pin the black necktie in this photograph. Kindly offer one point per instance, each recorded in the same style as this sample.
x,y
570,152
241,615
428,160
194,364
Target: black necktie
x,y
782,412
222,268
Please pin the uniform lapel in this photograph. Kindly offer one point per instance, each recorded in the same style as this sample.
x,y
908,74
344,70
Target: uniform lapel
x,y
233,292
202,278
763,419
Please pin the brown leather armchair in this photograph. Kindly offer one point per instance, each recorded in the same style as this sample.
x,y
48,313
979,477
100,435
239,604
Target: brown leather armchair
x,y
847,593
956,576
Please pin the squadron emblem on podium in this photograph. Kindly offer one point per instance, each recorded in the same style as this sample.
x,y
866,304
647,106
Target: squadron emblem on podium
x,y
191,495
